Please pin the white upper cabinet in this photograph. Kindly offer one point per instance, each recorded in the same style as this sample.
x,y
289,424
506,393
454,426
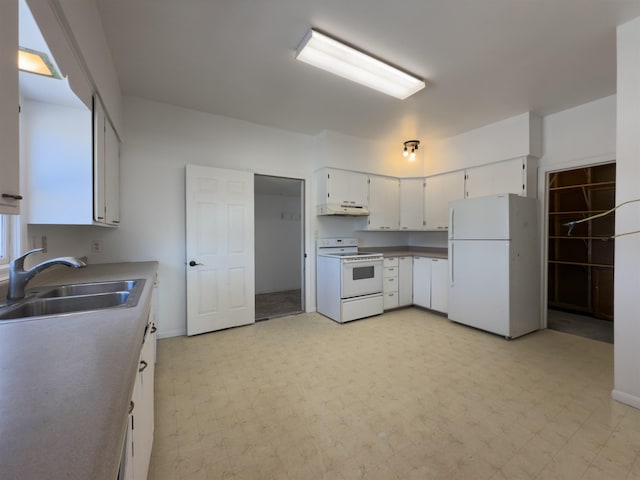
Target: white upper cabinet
x,y
341,188
9,106
517,176
438,192
73,172
106,165
411,203
112,175
59,174
384,203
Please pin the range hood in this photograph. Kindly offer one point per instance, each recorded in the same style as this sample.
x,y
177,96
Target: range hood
x,y
347,210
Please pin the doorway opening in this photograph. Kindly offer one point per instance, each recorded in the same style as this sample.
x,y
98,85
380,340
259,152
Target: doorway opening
x,y
581,257
279,246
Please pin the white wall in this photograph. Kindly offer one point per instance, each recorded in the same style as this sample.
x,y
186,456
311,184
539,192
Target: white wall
x,y
352,153
517,136
278,228
581,133
627,262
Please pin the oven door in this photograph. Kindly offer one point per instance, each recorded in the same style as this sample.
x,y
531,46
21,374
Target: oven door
x,y
361,277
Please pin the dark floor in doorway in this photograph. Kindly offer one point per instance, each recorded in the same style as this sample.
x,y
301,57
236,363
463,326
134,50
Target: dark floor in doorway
x,y
278,304
580,325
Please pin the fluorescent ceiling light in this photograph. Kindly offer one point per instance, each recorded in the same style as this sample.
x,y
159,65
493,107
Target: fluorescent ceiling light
x,y
36,62
324,52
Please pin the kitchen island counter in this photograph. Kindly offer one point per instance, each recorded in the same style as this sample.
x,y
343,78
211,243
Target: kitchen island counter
x,y
66,381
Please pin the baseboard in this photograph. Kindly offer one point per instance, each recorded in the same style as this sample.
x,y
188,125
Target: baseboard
x,y
177,332
626,398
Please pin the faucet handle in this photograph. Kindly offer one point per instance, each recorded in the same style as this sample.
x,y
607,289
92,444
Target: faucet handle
x,y
19,262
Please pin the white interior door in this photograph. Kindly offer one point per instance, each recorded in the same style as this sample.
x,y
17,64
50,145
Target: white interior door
x,y
220,251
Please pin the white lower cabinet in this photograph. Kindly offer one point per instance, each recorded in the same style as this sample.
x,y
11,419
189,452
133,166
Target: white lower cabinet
x,y
405,281
398,282
431,283
390,283
422,281
141,419
440,284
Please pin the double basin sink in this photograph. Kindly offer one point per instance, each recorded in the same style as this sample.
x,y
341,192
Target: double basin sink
x,y
75,298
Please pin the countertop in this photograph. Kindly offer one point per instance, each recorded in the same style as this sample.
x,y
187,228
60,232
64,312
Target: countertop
x,y
406,251
66,382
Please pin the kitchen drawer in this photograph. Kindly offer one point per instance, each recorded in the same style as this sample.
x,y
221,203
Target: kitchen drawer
x,y
390,262
390,285
390,272
391,300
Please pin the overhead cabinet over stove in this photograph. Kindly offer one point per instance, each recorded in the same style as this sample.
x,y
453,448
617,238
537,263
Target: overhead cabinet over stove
x,y
341,192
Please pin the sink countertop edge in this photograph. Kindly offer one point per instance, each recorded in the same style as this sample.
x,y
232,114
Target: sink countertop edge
x,y
67,382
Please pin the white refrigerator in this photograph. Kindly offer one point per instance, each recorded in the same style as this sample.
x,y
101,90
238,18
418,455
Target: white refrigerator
x,y
494,266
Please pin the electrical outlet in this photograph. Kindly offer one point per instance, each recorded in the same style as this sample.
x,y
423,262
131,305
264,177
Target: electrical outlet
x,y
96,246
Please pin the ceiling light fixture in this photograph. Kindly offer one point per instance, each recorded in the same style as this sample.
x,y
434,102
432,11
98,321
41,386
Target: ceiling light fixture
x,y
324,52
410,147
32,61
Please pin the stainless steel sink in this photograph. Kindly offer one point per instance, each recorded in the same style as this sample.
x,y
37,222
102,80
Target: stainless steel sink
x,y
57,306
88,289
75,298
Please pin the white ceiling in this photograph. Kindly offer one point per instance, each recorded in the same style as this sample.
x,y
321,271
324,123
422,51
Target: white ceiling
x,y
484,60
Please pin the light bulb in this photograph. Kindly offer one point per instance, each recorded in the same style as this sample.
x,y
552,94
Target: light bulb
x,y
412,157
405,153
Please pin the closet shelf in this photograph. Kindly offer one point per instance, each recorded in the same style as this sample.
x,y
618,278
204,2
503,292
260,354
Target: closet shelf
x,y
590,186
581,264
578,212
577,237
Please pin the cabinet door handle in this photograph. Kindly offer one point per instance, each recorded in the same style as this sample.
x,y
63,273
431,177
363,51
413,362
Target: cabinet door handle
x,y
451,218
143,365
131,406
11,195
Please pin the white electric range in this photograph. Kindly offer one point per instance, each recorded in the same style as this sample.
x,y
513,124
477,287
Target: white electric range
x,y
348,283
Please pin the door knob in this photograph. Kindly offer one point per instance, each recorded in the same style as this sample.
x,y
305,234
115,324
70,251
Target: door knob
x,y
193,263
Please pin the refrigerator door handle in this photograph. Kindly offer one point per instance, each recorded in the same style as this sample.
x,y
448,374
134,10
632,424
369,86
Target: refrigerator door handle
x,y
451,233
451,258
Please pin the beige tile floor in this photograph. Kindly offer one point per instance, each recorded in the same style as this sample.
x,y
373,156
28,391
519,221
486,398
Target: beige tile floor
x,y
406,395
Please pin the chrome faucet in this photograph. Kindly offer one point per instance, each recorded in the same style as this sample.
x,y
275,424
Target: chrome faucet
x,y
19,277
